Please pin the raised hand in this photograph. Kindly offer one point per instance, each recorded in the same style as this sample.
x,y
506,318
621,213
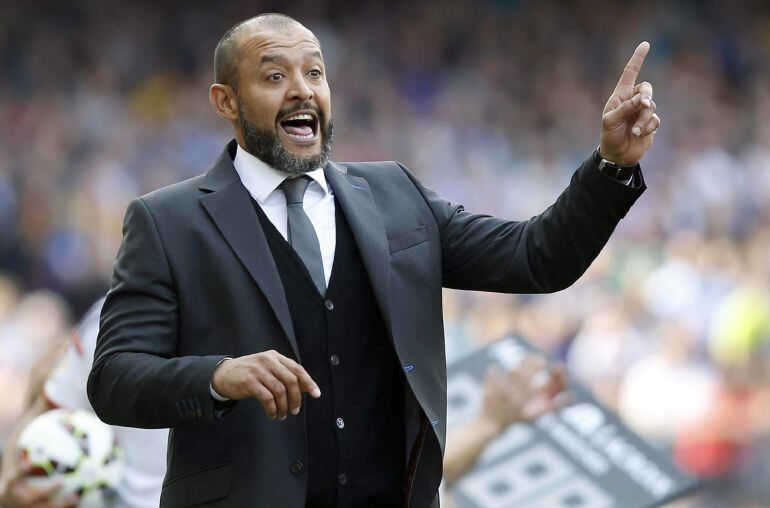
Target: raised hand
x,y
524,393
273,379
629,121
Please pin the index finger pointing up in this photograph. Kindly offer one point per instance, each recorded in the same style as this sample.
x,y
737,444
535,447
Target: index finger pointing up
x,y
628,78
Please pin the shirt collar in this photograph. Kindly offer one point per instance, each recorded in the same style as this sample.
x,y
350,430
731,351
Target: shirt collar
x,y
261,179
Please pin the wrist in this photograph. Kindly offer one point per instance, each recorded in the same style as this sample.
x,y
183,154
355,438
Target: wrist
x,y
600,155
616,171
216,390
489,426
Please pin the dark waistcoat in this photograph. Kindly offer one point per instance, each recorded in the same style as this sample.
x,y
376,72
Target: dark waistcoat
x,y
356,429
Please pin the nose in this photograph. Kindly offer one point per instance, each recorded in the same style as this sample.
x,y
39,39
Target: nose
x,y
299,90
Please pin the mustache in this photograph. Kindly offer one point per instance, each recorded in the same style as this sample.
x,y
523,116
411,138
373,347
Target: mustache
x,y
304,106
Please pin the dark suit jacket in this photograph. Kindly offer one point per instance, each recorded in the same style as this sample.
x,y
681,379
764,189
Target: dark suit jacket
x,y
194,281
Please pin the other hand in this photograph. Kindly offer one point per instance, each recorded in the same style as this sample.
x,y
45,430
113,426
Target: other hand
x,y
15,492
629,121
273,379
524,393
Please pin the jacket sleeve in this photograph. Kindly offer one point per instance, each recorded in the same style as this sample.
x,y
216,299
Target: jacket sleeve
x,y
546,253
136,379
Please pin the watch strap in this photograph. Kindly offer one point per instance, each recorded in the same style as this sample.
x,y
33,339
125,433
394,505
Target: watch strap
x,y
615,171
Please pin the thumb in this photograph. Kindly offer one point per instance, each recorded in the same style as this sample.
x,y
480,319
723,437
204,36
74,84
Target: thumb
x,y
19,471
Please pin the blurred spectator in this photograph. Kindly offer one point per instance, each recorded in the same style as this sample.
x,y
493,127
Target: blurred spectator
x,y
520,395
33,327
64,385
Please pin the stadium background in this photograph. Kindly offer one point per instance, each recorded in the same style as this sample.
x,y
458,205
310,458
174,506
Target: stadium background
x,y
491,103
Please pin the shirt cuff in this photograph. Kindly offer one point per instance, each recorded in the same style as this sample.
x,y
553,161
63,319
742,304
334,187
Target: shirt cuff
x,y
214,393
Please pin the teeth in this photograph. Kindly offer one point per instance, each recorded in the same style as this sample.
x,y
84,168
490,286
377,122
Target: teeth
x,y
306,136
299,116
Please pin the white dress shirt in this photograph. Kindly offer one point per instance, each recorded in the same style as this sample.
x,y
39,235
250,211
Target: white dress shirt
x,y
263,183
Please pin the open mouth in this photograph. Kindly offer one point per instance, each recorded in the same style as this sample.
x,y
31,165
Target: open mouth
x,y
301,127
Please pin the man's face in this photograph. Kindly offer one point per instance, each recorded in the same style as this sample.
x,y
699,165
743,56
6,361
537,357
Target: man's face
x,y
283,98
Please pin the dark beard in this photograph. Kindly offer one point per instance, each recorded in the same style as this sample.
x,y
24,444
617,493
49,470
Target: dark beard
x,y
267,146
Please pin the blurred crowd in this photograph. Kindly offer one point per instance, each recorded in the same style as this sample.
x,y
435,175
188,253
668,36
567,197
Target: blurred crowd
x,y
493,104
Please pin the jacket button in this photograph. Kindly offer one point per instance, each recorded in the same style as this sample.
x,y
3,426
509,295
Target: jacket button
x,y
335,360
297,467
342,478
329,305
340,423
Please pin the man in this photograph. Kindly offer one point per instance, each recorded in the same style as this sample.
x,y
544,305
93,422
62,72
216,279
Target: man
x,y
279,273
144,449
508,398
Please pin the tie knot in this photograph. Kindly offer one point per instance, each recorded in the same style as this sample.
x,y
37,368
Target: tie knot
x,y
294,189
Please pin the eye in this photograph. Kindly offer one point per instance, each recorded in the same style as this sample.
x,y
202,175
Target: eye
x,y
316,73
275,76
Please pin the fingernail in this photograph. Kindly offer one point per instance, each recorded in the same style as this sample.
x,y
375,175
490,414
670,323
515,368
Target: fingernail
x,y
316,393
637,131
282,418
295,411
646,103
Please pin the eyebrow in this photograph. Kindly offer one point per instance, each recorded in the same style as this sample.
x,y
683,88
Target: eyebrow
x,y
282,59
271,59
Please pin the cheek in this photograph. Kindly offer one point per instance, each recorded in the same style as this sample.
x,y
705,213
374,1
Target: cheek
x,y
324,99
262,108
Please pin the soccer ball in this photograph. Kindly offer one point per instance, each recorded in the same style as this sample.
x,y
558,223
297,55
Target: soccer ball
x,y
75,449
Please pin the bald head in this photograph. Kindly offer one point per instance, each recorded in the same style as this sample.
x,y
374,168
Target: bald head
x,y
227,54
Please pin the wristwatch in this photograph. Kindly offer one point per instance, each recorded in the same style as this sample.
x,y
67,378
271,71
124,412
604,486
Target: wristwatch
x,y
623,174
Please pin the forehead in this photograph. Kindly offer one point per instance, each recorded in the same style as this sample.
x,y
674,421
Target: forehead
x,y
253,43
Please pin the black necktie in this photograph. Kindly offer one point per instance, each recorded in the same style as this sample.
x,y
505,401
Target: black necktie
x,y
302,235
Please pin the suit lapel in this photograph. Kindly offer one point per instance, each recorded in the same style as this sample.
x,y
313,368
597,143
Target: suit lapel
x,y
355,197
229,205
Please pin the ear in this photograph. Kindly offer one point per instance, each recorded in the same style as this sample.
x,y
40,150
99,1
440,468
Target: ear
x,y
224,102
